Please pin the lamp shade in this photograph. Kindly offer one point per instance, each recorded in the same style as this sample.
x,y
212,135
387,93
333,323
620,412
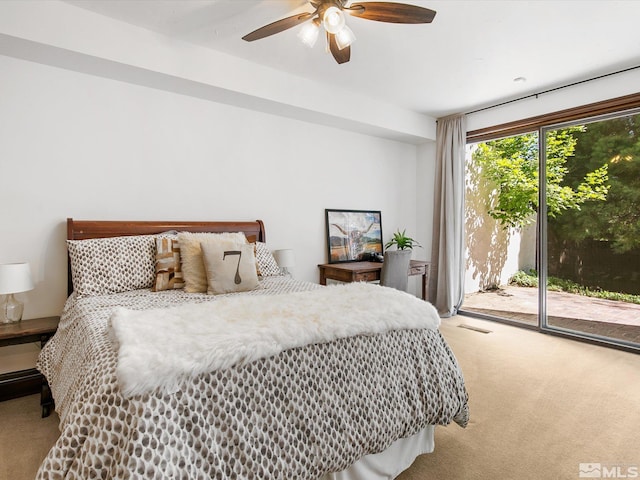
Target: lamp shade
x,y
333,20
309,34
15,278
345,37
285,258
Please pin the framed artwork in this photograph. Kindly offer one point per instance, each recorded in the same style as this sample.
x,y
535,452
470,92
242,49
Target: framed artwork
x,y
353,235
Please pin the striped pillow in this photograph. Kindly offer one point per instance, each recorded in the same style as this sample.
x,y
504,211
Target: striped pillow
x,y
168,269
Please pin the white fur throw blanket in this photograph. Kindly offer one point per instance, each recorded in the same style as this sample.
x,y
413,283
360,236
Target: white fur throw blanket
x,y
160,347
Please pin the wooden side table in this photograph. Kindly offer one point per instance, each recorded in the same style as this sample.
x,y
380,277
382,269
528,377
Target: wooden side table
x,y
26,382
370,272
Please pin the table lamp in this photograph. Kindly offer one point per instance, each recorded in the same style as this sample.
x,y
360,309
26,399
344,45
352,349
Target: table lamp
x,y
14,278
285,260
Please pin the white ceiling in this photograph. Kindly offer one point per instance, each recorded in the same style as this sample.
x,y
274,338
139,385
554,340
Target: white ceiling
x,y
466,59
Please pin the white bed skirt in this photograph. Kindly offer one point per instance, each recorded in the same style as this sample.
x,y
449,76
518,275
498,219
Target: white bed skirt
x,y
391,462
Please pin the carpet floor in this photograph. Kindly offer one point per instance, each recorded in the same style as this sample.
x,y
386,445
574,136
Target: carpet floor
x,y
540,406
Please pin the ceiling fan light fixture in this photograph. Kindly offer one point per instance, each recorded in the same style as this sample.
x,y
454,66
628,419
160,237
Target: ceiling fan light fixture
x,y
309,34
345,37
333,20
330,15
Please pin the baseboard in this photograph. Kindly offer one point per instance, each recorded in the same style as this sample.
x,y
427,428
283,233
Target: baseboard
x,y
19,384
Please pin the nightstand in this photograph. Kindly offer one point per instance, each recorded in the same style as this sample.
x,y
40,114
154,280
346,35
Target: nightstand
x,y
27,382
370,272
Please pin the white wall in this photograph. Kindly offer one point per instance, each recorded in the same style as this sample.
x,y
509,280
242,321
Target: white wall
x,y
425,177
76,145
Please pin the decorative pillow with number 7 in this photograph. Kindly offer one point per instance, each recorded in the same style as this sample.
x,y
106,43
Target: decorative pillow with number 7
x,y
230,268
192,262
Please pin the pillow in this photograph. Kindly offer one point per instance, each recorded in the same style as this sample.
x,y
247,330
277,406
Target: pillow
x,y
230,268
168,271
193,272
265,262
101,266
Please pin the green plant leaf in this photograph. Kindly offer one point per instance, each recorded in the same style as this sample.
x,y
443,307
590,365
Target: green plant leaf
x,y
401,241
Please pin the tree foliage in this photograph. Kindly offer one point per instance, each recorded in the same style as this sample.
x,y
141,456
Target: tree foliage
x,y
615,142
511,166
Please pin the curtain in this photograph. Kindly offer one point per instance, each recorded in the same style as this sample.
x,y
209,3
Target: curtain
x,y
448,253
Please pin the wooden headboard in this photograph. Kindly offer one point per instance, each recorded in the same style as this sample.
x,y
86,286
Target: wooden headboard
x,y
86,229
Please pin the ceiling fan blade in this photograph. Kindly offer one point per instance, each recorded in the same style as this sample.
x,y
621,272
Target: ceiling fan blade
x,y
278,26
341,56
391,12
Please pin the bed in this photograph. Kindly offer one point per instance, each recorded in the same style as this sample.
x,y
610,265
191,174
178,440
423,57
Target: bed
x,y
354,404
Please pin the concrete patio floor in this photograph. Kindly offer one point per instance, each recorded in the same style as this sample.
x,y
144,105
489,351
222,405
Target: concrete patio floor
x,y
609,318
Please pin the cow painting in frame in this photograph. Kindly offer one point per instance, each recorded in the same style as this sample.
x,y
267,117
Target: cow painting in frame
x,y
353,235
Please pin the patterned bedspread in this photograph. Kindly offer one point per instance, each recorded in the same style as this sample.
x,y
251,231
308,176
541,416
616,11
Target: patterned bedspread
x,y
297,415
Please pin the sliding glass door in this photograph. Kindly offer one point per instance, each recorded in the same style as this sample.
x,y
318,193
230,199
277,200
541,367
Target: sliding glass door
x,y
553,229
592,232
501,229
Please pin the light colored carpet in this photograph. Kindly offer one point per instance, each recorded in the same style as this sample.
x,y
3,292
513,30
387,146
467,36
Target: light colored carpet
x,y
25,437
540,406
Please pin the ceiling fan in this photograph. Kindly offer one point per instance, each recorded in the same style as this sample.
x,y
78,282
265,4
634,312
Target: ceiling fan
x,y
330,15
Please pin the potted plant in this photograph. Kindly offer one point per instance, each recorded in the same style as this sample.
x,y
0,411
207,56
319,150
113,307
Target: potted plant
x,y
401,241
395,268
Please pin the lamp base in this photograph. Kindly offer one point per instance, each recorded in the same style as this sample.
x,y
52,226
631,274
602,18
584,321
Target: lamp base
x,y
11,310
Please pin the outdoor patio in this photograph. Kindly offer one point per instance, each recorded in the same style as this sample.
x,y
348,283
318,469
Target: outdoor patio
x,y
609,318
